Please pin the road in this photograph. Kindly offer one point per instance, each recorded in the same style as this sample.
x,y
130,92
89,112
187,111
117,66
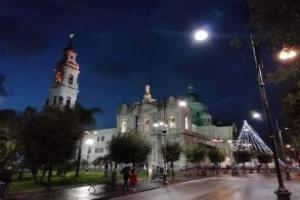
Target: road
x,y
252,187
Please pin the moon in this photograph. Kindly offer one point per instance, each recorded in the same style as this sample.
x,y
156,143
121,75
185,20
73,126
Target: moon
x,y
200,35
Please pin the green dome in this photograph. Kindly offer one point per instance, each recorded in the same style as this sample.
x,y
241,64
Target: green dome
x,y
191,95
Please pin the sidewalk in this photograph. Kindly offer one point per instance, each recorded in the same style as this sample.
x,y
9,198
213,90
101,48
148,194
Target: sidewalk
x,y
102,191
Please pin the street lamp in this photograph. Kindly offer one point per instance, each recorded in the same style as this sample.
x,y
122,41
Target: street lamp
x,y
200,35
287,54
282,192
163,126
182,103
89,142
256,115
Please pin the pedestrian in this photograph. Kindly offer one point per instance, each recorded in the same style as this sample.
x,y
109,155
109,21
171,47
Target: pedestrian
x,y
125,172
133,179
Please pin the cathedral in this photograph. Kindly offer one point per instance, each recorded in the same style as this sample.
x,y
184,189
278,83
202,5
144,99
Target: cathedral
x,y
183,119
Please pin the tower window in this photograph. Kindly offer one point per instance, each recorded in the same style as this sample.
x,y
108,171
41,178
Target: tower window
x,y
58,77
54,100
68,102
70,80
60,100
198,114
98,138
102,138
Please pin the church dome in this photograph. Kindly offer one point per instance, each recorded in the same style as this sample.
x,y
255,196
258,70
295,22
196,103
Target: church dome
x,y
191,95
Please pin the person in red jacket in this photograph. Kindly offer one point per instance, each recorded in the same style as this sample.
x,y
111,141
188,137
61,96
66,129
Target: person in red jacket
x,y
133,179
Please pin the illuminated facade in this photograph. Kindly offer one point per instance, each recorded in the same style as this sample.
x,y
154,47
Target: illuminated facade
x,y
64,87
183,119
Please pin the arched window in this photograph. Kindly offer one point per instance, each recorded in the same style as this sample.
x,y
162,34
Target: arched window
x,y
58,77
123,126
147,125
60,100
54,100
70,80
172,122
186,123
68,102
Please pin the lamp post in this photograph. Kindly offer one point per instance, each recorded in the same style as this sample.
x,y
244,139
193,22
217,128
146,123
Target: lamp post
x,y
163,128
217,141
89,142
282,192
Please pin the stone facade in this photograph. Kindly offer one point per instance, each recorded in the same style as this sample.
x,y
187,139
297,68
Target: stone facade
x,y
64,87
183,119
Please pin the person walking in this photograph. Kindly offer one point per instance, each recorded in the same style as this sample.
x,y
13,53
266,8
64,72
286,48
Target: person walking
x,y
133,179
125,172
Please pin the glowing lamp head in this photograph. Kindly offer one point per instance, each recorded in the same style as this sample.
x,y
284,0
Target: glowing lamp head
x,y
286,54
182,103
89,142
288,146
200,35
256,115
155,125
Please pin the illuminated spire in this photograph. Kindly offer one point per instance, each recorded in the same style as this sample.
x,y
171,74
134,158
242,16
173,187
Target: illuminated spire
x,y
70,45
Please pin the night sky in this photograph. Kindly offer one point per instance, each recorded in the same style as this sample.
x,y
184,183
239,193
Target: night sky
x,y
125,44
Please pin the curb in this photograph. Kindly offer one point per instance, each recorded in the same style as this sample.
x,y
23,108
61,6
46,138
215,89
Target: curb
x,y
125,194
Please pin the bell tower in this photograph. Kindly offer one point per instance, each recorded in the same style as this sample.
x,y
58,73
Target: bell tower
x,y
64,87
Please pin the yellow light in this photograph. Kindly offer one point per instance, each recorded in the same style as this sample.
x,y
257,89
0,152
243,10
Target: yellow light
x,y
286,54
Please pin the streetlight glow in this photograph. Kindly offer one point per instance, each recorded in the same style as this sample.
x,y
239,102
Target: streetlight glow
x,y
256,115
288,146
89,142
182,104
286,54
200,35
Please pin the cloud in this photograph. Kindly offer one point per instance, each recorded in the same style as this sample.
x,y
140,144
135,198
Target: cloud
x,y
3,92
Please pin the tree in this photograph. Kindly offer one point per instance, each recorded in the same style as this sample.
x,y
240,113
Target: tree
x,y
264,158
216,156
277,24
242,156
129,148
86,120
48,137
171,152
195,154
8,130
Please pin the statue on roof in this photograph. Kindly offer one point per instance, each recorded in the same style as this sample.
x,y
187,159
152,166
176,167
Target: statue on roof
x,y
147,96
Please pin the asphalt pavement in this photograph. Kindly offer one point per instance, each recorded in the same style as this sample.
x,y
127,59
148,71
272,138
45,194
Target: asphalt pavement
x,y
250,187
